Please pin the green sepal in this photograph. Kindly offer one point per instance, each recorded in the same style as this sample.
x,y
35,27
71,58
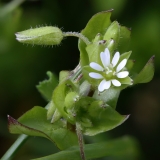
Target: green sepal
x,y
126,80
94,50
34,123
125,55
86,70
56,116
97,24
84,88
147,73
97,38
51,109
103,118
46,87
130,64
112,36
64,75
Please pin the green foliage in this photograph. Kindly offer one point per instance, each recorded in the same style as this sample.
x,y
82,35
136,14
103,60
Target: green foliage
x,y
34,123
146,73
118,149
76,99
97,24
46,87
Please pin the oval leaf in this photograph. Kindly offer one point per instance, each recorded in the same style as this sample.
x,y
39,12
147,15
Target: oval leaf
x,y
34,123
97,24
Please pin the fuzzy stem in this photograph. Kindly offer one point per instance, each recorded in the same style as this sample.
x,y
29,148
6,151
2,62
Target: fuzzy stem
x,y
76,34
14,148
80,141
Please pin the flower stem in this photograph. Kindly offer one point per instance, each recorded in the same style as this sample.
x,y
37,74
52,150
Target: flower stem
x,y
76,34
80,141
15,146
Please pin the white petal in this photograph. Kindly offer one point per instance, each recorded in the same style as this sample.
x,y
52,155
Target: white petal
x,y
121,65
104,85
116,83
115,59
123,74
105,57
95,75
96,66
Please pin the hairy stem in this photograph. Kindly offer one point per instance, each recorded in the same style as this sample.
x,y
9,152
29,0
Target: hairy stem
x,y
80,141
76,34
15,146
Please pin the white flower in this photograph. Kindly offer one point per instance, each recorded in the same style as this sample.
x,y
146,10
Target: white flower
x,y
111,72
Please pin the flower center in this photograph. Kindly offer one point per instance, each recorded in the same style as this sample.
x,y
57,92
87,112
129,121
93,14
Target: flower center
x,y
108,73
108,70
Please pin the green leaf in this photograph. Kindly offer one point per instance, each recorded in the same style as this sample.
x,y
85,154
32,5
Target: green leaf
x,y
46,87
147,73
124,40
59,95
103,118
34,123
97,24
118,149
109,96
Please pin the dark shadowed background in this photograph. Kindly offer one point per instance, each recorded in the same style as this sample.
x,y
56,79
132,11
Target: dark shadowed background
x,y
23,66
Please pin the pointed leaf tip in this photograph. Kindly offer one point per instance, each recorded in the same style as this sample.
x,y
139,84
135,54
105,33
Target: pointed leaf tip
x,y
147,73
152,59
11,120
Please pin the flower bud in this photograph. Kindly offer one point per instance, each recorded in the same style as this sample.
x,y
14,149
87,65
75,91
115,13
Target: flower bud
x,y
41,36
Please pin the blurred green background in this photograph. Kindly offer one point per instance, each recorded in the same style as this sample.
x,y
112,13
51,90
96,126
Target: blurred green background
x,y
23,66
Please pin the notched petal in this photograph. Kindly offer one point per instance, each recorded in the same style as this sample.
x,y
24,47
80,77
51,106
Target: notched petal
x,y
105,57
95,75
122,74
104,85
96,66
121,65
116,83
115,59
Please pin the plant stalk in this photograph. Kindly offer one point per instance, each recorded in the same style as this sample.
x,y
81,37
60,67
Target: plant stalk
x,y
15,146
79,35
80,141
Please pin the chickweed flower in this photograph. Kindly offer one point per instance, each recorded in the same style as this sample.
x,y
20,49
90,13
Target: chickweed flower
x,y
111,72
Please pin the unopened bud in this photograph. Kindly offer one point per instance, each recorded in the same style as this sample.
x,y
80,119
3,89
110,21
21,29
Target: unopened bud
x,y
41,36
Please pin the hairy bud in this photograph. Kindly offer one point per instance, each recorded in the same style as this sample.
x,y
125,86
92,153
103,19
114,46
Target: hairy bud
x,y
41,36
